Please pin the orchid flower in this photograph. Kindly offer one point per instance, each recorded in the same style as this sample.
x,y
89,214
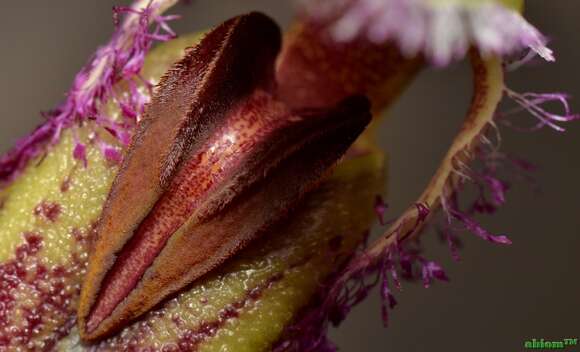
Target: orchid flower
x,y
215,191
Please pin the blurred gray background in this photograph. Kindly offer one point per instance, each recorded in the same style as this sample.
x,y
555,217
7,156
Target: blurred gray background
x,y
498,297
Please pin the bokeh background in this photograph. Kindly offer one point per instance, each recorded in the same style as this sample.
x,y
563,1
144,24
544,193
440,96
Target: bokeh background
x,y
498,297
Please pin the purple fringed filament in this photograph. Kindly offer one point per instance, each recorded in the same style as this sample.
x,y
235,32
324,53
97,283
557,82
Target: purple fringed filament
x,y
533,103
452,172
120,60
388,256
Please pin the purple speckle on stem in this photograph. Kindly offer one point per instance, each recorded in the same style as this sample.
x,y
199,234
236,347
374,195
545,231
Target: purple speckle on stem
x,y
65,185
192,338
423,211
48,210
30,324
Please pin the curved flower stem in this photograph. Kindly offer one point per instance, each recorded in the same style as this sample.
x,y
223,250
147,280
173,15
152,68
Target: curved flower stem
x,y
488,91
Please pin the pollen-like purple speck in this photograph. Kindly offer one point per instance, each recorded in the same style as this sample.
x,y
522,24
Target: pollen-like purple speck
x,y
65,185
177,320
48,210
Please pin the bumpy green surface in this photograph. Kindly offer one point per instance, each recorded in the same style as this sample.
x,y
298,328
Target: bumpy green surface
x,y
35,205
246,304
242,307
55,200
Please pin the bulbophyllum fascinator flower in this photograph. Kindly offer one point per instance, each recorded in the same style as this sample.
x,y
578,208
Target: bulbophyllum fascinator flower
x,y
215,192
